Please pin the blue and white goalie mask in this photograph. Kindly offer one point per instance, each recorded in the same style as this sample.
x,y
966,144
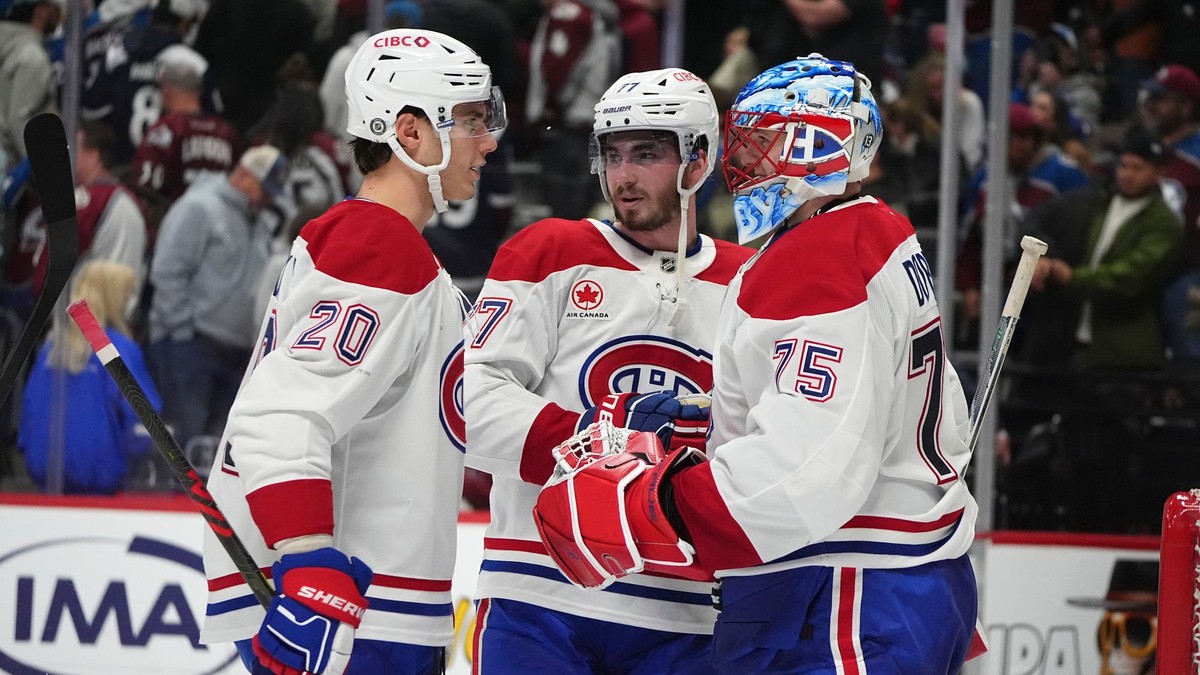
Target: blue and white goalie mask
x,y
798,131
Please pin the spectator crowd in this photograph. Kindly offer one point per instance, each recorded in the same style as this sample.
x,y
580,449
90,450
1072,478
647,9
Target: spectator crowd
x,y
211,131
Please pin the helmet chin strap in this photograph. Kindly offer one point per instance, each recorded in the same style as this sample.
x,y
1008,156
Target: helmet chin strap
x,y
432,173
681,254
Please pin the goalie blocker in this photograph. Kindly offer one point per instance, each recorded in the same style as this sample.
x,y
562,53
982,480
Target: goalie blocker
x,y
606,512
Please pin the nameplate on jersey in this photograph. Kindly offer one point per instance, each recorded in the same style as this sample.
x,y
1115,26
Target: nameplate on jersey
x,y
587,302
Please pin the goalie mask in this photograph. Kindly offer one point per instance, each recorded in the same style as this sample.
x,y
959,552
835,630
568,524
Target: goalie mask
x,y
798,131
676,103
425,70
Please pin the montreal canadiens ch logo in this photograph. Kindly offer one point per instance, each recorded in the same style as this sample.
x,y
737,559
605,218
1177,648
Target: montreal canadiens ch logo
x,y
450,408
644,363
587,295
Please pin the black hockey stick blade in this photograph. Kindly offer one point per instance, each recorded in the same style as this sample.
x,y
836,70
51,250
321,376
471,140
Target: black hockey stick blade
x,y
183,470
46,142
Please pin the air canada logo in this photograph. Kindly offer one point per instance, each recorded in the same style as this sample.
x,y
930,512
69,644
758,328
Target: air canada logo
x,y
586,296
644,363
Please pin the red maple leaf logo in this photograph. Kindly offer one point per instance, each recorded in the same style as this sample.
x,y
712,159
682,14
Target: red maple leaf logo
x,y
587,295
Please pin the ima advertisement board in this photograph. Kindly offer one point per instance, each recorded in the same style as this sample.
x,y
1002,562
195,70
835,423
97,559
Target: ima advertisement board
x,y
96,591
102,586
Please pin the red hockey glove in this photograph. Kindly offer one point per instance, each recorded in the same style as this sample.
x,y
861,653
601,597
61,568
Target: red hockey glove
x,y
602,515
309,627
678,421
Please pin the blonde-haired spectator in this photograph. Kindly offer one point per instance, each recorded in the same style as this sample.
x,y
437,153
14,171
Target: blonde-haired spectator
x,y
97,430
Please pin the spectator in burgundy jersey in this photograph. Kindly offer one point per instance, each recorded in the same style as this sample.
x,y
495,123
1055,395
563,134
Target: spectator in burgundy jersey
x,y
111,224
1172,101
574,56
187,140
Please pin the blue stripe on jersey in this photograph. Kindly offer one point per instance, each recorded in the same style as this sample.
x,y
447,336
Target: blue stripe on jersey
x,y
869,548
532,570
392,606
415,608
232,605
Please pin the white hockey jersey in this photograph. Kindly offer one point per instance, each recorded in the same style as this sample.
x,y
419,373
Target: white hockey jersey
x,y
839,427
573,311
347,424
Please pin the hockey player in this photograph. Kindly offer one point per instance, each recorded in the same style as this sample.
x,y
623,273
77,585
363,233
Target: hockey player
x,y
335,468
584,319
833,509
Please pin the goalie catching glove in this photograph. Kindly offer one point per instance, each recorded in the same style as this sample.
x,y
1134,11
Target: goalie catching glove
x,y
604,515
679,421
310,624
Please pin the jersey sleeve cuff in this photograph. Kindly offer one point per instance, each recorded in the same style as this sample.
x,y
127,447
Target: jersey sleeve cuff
x,y
720,542
552,426
292,509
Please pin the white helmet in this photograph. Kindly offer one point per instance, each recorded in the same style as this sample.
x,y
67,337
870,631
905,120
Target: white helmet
x,y
423,69
671,100
824,126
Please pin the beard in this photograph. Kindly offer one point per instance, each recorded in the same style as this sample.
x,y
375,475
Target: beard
x,y
654,212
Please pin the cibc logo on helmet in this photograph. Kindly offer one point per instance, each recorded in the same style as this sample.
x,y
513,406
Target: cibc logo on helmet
x,y
403,41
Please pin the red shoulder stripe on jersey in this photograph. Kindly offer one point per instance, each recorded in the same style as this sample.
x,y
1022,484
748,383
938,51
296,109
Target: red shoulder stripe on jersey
x,y
552,426
730,257
823,264
292,508
553,245
720,542
361,242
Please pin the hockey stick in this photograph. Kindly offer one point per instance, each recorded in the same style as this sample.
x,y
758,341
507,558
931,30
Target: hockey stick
x,y
184,472
51,164
1031,250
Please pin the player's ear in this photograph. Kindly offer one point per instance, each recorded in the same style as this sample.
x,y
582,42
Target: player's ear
x,y
408,130
695,170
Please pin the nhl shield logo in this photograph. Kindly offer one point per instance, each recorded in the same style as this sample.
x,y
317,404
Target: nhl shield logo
x,y
667,264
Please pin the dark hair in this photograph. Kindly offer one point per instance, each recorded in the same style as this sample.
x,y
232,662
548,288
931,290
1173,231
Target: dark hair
x,y
293,118
21,12
369,155
101,138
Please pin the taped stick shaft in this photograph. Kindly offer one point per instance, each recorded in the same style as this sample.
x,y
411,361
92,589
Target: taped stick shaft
x,y
1032,250
184,472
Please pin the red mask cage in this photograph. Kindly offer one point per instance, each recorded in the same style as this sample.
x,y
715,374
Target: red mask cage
x,y
762,146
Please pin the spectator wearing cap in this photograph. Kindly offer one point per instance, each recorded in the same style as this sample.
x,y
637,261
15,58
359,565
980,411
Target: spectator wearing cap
x,y
210,251
1038,170
1132,250
26,78
187,141
1171,104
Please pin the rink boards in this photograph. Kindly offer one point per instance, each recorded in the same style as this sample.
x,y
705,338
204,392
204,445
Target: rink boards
x,y
90,586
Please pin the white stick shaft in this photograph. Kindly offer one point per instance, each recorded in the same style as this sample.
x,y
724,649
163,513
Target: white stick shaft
x,y
1031,250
